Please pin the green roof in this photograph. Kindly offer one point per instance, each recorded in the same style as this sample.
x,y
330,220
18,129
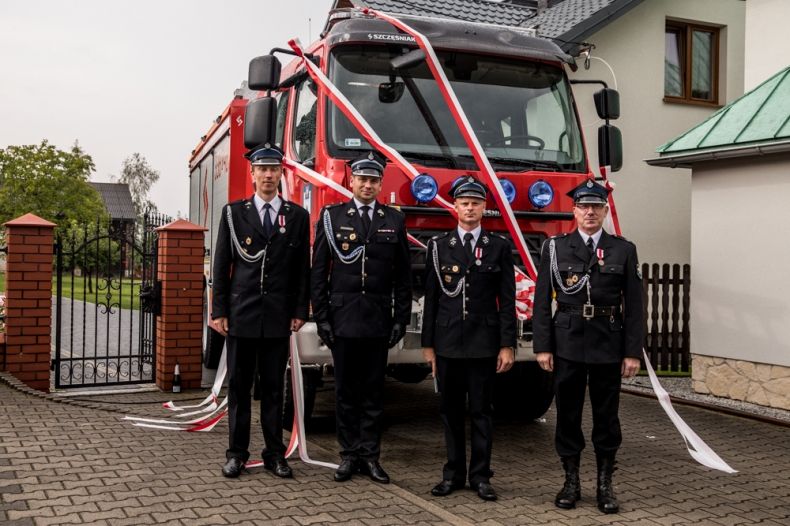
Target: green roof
x,y
759,116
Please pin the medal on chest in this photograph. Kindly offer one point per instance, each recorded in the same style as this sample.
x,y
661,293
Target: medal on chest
x,y
599,254
281,221
478,256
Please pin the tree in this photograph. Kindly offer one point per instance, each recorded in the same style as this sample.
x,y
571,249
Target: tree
x,y
48,182
140,176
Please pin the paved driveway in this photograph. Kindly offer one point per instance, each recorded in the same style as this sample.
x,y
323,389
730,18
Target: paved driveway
x,y
62,463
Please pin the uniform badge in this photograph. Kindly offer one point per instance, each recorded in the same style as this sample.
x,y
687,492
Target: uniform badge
x,y
338,235
569,282
370,156
456,268
344,246
589,183
380,212
352,236
351,212
638,272
485,240
448,278
248,241
453,242
574,278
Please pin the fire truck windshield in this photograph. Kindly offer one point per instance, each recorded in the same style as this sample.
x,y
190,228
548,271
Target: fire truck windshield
x,y
521,111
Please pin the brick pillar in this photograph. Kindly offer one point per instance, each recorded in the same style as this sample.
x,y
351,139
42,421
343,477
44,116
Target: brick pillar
x,y
29,299
179,327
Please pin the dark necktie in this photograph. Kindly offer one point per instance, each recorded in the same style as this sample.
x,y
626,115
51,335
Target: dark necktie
x,y
365,220
468,237
590,246
267,220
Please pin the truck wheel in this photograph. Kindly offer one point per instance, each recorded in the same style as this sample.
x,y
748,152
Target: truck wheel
x,y
311,379
409,373
523,393
213,349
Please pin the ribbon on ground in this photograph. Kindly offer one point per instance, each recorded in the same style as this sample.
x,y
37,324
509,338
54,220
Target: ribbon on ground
x,y
697,448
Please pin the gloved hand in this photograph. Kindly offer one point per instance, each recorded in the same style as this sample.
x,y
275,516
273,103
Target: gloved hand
x,y
398,331
326,334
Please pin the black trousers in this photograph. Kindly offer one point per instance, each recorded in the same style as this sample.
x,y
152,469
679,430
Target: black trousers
x,y
271,357
459,377
360,364
570,382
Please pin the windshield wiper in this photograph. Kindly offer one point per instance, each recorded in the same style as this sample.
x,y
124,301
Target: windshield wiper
x,y
445,160
548,166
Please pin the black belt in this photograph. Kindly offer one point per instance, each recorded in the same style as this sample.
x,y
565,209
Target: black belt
x,y
589,311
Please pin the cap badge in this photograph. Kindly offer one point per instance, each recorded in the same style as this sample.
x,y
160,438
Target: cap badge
x,y
589,184
470,179
370,156
267,145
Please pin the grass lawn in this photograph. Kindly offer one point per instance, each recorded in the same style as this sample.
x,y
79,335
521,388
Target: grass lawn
x,y
127,295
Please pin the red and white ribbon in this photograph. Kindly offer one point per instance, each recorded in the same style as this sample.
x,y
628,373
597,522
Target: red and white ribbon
x,y
469,137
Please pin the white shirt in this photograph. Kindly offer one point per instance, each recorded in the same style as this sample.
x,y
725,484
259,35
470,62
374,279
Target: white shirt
x,y
359,204
595,237
273,211
475,234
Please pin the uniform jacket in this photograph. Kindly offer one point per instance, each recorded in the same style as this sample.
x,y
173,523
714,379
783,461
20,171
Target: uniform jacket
x,y
357,305
490,322
256,309
602,339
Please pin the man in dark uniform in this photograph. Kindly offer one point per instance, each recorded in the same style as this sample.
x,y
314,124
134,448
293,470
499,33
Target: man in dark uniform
x,y
468,333
260,295
594,338
361,296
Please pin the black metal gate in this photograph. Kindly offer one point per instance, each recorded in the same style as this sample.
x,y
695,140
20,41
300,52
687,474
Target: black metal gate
x,y
106,301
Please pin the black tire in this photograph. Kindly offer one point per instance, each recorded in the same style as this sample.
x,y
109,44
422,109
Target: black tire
x,y
213,351
409,373
524,393
311,379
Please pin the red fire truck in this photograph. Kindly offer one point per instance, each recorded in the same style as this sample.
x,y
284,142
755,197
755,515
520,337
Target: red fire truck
x,y
515,92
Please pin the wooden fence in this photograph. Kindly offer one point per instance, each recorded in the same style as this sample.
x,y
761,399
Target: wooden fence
x,y
666,315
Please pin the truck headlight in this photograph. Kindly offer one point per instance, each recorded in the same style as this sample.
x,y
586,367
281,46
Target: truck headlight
x,y
541,194
424,188
510,190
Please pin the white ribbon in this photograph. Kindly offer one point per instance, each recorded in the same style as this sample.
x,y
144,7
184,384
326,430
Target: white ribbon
x,y
697,448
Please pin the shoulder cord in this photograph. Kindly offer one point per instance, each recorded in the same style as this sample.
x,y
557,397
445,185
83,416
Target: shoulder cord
x,y
555,272
461,282
234,244
357,253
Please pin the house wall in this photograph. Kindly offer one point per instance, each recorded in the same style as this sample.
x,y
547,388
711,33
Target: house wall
x,y
767,46
740,315
654,203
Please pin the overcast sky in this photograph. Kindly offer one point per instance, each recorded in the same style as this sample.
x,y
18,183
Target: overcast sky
x,y
145,76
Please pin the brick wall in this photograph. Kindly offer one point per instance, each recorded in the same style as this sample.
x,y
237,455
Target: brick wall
x,y
29,299
179,327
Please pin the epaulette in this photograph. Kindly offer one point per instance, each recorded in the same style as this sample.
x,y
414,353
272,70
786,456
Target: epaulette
x,y
564,234
239,202
333,205
394,208
499,235
440,236
622,238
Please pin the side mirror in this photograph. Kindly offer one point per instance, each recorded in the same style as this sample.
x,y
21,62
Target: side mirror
x,y
607,103
390,92
260,118
610,147
264,73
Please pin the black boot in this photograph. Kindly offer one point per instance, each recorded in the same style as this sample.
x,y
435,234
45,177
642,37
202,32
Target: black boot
x,y
607,502
571,491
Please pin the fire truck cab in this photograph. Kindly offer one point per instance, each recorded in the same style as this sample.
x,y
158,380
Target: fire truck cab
x,y
515,92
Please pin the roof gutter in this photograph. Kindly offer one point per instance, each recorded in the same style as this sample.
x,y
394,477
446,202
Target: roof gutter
x,y
571,38
687,160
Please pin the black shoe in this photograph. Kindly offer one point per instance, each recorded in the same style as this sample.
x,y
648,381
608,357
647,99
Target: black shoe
x,y
373,469
571,490
345,470
279,466
232,468
607,502
485,491
446,487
